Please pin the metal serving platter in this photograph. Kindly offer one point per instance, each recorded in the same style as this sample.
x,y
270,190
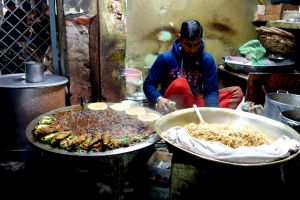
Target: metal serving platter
x,y
269,65
273,129
151,141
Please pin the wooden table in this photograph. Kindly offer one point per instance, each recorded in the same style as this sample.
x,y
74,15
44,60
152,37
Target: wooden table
x,y
252,84
231,78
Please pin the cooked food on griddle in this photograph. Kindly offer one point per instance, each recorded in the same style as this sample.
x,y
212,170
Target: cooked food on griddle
x,y
48,138
98,128
89,142
43,129
59,137
46,119
72,141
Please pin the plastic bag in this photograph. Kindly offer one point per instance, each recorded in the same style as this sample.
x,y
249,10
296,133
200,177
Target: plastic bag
x,y
253,50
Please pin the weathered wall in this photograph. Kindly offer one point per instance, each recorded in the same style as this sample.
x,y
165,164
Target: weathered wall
x,y
78,15
132,41
78,61
227,25
77,53
112,48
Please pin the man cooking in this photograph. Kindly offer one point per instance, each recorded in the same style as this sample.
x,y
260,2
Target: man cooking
x,y
188,75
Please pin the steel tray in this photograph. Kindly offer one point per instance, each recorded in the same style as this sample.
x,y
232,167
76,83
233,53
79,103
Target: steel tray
x,y
269,65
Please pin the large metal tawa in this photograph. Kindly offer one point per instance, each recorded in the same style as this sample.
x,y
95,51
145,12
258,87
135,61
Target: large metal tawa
x,y
269,66
154,137
273,129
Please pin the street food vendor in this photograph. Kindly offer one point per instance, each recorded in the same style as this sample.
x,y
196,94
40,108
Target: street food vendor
x,y
187,75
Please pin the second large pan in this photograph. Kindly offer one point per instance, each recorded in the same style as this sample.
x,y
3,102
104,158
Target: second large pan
x,y
273,129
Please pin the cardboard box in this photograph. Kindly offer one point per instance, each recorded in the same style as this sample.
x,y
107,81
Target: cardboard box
x,y
159,168
158,193
290,11
268,12
285,1
288,6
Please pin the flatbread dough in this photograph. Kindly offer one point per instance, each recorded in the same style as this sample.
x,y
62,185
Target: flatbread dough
x,y
119,106
97,106
148,117
135,110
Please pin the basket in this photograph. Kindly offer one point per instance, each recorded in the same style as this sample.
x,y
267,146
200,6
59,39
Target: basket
x,y
278,44
277,40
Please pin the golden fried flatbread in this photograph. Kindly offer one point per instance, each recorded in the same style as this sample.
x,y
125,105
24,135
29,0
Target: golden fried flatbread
x,y
119,106
135,110
148,117
97,106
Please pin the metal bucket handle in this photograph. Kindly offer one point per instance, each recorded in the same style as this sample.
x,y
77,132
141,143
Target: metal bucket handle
x,y
278,91
282,91
264,89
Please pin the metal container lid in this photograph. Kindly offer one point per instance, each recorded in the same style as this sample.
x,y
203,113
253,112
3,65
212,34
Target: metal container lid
x,y
18,81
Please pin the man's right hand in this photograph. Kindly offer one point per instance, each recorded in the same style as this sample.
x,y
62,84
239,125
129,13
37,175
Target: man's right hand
x,y
165,105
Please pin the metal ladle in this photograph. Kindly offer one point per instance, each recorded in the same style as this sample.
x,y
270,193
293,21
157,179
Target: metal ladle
x,y
199,114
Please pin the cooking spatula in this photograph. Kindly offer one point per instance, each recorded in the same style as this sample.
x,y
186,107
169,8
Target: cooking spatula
x,y
199,114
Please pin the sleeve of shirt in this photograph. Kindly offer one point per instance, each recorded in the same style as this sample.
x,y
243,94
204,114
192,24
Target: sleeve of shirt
x,y
210,82
153,79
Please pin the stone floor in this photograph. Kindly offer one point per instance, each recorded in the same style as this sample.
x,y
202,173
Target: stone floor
x,y
52,177
191,176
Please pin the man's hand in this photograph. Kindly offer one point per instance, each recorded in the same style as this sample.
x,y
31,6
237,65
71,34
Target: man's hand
x,y
165,105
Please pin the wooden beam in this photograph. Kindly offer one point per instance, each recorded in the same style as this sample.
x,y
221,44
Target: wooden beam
x,y
94,48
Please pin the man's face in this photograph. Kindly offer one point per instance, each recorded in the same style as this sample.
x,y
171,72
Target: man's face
x,y
11,8
190,47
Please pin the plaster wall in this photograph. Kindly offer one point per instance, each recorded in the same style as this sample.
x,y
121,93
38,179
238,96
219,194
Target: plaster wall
x,y
129,36
227,25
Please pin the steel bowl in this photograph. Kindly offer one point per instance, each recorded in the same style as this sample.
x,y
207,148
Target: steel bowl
x,y
139,146
272,128
291,118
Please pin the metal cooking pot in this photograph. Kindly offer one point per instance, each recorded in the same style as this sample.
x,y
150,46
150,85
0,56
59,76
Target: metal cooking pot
x,y
291,118
21,102
273,129
278,102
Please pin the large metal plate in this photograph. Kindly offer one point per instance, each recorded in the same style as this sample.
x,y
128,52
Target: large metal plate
x,y
273,129
270,65
151,141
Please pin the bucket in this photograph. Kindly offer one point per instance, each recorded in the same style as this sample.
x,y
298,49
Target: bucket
x,y
34,71
133,79
278,102
132,75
